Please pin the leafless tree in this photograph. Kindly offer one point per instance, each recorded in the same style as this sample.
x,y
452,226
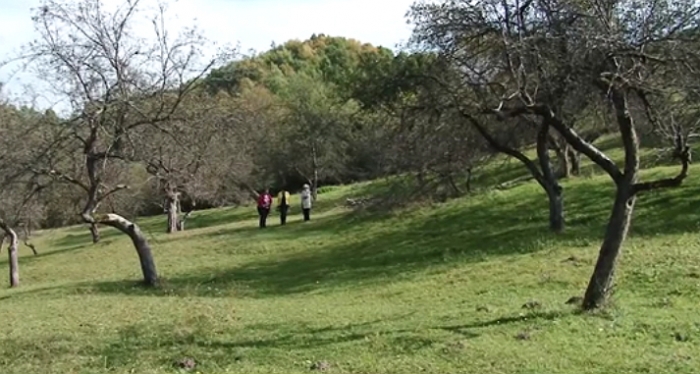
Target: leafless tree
x,y
479,45
432,141
195,155
19,207
115,81
638,59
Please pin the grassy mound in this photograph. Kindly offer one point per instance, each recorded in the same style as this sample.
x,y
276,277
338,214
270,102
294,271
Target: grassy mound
x,y
474,285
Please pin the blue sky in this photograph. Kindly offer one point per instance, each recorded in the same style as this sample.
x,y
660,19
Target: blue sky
x,y
254,24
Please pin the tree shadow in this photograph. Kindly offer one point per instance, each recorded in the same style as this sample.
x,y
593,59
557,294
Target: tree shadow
x,y
63,250
216,217
361,249
230,345
664,212
501,321
215,346
359,256
320,224
84,238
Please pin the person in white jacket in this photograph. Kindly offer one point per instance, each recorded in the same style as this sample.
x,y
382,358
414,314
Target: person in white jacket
x,y
306,202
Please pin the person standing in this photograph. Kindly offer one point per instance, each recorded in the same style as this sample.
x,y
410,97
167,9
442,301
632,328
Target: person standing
x,y
264,203
283,206
306,202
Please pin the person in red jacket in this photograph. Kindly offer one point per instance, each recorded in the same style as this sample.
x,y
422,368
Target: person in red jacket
x,y
264,204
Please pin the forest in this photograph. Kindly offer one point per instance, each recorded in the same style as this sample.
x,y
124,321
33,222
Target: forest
x,y
156,126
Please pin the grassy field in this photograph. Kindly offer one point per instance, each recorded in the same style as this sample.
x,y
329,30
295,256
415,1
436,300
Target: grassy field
x,y
431,289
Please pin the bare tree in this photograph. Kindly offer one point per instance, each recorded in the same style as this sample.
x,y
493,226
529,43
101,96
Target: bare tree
x,y
197,153
431,141
636,61
115,82
19,207
636,58
480,46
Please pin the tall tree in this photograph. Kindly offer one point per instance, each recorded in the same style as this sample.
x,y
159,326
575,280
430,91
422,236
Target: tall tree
x,y
635,58
478,45
314,128
115,81
194,156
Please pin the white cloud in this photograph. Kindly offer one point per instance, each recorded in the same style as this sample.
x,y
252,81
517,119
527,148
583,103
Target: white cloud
x,y
255,24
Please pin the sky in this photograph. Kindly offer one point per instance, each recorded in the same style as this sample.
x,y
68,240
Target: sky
x,y
252,24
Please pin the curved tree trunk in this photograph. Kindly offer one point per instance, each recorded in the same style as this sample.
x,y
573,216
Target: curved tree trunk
x,y
600,283
181,223
148,265
544,174
27,233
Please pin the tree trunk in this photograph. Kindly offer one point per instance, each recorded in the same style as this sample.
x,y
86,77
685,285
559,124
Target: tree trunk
x,y
181,222
544,175
148,265
32,247
91,164
173,211
12,257
564,158
314,184
600,283
95,233
575,159
11,253
28,233
556,207
548,180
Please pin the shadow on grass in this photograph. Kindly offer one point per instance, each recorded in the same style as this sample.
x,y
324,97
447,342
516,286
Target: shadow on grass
x,y
216,217
215,346
83,237
359,252
26,256
662,212
322,224
501,321
356,249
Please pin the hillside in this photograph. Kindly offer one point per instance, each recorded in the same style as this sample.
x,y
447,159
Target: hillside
x,y
432,289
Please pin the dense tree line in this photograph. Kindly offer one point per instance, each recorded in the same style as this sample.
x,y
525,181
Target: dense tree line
x,y
156,126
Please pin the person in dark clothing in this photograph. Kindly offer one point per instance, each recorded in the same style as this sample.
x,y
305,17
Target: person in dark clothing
x,y
264,204
283,206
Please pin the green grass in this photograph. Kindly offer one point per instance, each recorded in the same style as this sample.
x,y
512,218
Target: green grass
x,y
431,289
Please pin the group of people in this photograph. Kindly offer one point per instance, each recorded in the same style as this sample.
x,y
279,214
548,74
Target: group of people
x,y
265,201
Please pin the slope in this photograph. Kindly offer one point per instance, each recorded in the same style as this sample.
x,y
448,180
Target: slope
x,y
429,289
